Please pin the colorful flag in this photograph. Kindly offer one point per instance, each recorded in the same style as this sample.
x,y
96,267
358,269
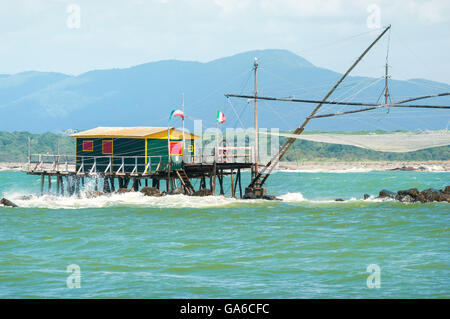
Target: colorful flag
x,y
221,117
176,113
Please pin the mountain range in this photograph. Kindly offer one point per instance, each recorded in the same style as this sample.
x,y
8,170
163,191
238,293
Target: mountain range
x,y
144,95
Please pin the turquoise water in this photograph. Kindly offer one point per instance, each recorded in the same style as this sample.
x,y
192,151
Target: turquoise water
x,y
306,246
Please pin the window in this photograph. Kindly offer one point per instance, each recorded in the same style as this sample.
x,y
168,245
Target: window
x,y
176,148
107,147
88,146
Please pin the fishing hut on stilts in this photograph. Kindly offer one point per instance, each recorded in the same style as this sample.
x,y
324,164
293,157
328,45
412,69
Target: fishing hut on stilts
x,y
135,157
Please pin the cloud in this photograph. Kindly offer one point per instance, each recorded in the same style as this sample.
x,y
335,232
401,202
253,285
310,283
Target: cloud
x,y
431,11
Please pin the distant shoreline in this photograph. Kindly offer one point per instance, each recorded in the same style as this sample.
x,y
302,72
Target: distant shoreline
x,y
432,166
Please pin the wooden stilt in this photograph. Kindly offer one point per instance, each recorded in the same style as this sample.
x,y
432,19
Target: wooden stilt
x,y
213,189
49,184
221,182
240,185
146,182
62,186
96,183
113,187
135,184
232,184
42,184
106,188
203,183
57,185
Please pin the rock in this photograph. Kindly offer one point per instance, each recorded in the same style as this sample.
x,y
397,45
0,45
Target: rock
x,y
6,202
413,193
176,191
202,192
387,194
433,195
406,199
270,197
366,196
338,200
446,197
405,168
123,190
151,191
446,190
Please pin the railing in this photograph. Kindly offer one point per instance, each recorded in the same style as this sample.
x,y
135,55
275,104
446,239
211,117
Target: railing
x,y
135,164
38,162
99,164
226,155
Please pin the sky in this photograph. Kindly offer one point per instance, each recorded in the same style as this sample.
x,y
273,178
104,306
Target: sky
x,y
77,36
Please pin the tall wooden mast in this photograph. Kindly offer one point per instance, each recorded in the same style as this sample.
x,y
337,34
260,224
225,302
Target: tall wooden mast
x,y
255,106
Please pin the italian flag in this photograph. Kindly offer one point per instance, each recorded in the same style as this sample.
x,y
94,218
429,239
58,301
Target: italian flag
x,y
221,117
176,113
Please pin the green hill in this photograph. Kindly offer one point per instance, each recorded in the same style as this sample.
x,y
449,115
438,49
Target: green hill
x,y
13,148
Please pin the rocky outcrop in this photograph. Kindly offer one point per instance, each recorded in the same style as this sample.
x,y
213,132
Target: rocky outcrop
x,y
123,190
410,195
413,195
202,192
151,191
8,203
176,191
434,195
386,194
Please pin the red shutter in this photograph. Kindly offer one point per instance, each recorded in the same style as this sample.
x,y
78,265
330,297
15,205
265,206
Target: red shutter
x,y
107,147
88,146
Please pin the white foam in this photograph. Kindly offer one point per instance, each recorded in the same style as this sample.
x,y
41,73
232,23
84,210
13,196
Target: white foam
x,y
292,197
131,199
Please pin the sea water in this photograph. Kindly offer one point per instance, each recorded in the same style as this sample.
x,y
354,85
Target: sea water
x,y
304,246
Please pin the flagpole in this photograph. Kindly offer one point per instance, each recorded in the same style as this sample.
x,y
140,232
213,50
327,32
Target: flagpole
x,y
168,148
182,104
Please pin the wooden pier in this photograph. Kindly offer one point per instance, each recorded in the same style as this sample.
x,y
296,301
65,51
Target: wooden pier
x,y
118,173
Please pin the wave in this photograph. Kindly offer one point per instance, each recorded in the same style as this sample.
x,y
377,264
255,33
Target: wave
x,y
131,199
139,200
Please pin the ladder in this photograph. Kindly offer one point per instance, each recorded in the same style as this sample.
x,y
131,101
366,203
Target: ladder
x,y
189,189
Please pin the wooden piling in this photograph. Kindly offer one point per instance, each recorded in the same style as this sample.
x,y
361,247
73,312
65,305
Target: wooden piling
x,y
232,184
106,188
221,182
135,184
57,185
240,185
62,186
113,187
42,184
